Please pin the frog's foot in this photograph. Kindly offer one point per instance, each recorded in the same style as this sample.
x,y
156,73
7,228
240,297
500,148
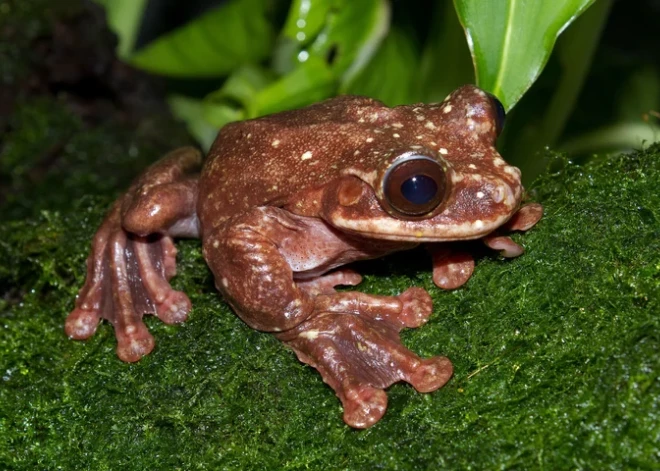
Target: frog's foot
x,y
325,284
353,341
126,277
526,217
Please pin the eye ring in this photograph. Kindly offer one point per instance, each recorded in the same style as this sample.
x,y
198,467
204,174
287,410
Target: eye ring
x,y
415,185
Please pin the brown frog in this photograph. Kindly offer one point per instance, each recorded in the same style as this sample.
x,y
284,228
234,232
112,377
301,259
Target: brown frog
x,y
282,201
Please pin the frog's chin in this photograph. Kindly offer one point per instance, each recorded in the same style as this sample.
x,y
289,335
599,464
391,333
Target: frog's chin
x,y
388,228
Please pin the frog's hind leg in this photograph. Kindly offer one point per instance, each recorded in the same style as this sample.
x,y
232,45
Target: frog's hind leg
x,y
133,257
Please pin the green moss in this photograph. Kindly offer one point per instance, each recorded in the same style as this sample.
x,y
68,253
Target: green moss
x,y
556,355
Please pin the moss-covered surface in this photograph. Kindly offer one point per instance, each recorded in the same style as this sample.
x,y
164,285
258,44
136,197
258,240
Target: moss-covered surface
x,y
556,355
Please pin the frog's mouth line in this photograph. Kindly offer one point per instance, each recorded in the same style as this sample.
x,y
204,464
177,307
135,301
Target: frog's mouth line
x,y
406,231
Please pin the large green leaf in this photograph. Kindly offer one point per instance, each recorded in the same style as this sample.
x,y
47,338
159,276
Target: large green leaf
x,y
236,33
511,40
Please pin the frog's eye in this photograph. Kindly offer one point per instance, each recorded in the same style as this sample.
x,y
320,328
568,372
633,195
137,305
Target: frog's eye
x,y
500,114
415,185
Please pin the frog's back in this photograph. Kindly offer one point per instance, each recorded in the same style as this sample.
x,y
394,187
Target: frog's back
x,y
266,160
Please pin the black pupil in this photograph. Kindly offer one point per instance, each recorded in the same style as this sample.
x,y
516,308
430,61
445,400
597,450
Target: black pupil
x,y
419,189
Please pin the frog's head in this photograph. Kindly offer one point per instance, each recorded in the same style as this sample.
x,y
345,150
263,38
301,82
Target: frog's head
x,y
440,179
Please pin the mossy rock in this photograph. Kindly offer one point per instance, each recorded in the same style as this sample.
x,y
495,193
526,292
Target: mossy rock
x,y
556,354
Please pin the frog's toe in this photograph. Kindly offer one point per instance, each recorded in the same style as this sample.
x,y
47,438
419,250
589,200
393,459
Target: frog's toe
x,y
417,307
363,405
174,308
82,323
525,218
431,374
451,268
134,342
503,244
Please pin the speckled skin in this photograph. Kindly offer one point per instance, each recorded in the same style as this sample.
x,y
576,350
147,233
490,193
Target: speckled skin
x,y
282,201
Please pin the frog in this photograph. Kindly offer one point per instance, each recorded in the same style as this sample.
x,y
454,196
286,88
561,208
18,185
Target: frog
x,y
283,203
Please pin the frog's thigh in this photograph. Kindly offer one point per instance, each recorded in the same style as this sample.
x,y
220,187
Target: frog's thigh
x,y
251,272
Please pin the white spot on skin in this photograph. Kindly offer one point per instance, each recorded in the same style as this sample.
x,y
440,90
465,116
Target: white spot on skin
x,y
443,151
430,125
480,194
370,139
420,117
306,156
356,152
472,166
309,334
419,137
455,178
216,244
447,109
397,125
396,135
478,224
275,143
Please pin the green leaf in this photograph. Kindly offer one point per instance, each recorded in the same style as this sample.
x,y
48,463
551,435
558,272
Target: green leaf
x,y
511,40
540,122
343,33
396,61
252,92
236,99
191,111
311,82
212,45
124,18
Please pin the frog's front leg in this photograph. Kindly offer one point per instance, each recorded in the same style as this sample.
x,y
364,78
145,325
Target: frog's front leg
x,y
133,256
269,264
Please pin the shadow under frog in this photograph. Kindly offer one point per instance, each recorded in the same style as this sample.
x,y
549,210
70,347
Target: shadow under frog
x,y
283,201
